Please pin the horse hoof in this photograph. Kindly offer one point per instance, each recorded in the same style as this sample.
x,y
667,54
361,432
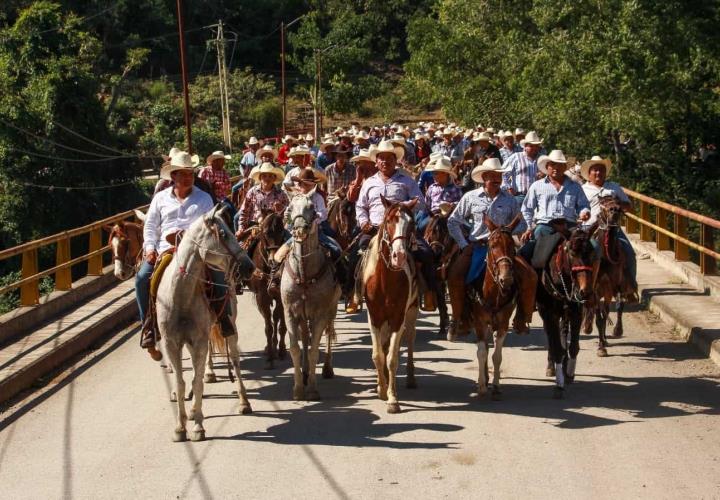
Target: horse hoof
x,y
179,436
173,397
602,352
327,371
197,436
210,378
569,379
558,393
313,396
245,409
410,383
550,372
299,394
269,365
617,333
393,408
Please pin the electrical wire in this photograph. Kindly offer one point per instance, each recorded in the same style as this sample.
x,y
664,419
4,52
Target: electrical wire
x,y
79,160
75,188
83,19
78,134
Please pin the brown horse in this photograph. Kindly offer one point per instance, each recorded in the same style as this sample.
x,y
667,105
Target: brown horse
x,y
491,312
271,236
444,249
611,281
341,219
126,243
391,295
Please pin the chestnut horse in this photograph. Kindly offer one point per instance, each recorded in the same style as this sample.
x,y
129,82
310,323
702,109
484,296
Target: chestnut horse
x,y
126,243
391,296
564,286
611,281
444,249
491,312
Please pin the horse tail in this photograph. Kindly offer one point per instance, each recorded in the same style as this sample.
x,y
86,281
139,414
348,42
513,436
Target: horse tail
x,y
217,341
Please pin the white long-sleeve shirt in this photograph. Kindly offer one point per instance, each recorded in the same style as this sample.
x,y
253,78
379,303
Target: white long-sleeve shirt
x,y
167,214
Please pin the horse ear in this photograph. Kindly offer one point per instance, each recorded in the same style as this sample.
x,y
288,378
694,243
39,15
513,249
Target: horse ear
x,y
141,216
489,223
385,202
108,228
312,191
515,222
411,204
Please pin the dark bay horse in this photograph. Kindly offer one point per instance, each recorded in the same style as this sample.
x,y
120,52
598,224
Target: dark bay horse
x,y
341,218
444,250
564,286
491,312
611,281
391,295
270,237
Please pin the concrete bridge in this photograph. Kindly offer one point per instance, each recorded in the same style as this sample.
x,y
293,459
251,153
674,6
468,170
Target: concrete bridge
x,y
86,414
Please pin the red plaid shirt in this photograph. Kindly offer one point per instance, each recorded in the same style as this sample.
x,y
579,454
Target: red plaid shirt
x,y
218,179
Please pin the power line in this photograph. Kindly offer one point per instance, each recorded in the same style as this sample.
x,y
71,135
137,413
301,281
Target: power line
x,y
79,160
78,134
83,19
75,188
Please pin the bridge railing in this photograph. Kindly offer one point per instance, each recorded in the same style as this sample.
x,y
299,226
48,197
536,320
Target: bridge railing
x,y
668,225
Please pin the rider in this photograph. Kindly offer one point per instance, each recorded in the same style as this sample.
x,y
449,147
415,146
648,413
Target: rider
x,y
523,167
502,208
595,172
171,210
370,211
443,190
364,169
265,194
339,174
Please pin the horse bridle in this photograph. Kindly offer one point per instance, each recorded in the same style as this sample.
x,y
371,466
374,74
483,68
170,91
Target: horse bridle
x,y
128,259
560,260
410,238
495,268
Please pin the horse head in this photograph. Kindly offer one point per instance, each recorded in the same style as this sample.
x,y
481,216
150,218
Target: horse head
x,y
610,210
272,233
302,215
437,235
580,259
346,218
218,246
501,252
125,243
398,230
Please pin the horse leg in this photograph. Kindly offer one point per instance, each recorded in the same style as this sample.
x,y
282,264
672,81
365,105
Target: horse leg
x,y
210,377
174,353
317,330
327,371
550,370
589,313
263,305
443,309
378,357
199,354
497,361
234,352
601,322
281,328
295,354
392,362
574,344
556,352
618,330
410,332
481,330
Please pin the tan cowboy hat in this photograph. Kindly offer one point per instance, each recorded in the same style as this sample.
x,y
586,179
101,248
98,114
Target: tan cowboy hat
x,y
327,144
288,138
300,151
420,137
266,149
217,155
309,138
388,147
309,174
362,135
446,208
482,136
595,160
506,133
267,168
489,165
398,140
173,152
179,161
363,155
555,156
519,131
533,138
442,164
448,132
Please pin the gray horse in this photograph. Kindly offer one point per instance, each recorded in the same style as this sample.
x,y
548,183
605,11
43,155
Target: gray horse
x,y
309,295
184,318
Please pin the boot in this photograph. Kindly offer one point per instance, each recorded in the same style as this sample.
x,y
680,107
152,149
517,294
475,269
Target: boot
x,y
222,311
147,339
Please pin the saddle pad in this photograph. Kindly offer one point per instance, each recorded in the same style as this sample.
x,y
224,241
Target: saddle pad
x,y
544,247
158,272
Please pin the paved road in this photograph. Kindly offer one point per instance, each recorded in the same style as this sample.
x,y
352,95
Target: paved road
x,y
641,423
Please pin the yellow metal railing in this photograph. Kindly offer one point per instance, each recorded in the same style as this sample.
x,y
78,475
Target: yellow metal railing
x,y
677,231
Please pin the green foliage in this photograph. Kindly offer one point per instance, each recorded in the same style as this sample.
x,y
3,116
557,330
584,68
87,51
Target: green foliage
x,y
11,300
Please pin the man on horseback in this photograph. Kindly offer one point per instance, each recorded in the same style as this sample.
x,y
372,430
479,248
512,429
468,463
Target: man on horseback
x,y
501,208
522,167
264,195
370,211
443,190
340,173
171,211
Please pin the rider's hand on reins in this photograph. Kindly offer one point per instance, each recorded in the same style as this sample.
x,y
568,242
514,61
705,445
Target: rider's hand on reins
x,y
151,257
525,237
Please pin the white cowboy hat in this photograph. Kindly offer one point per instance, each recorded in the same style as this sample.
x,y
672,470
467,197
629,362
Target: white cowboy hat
x,y
267,148
595,160
555,156
489,165
420,137
267,168
482,136
506,133
533,138
300,151
253,140
442,164
363,155
448,131
490,130
309,138
362,135
173,152
438,134
388,147
519,131
398,140
288,138
179,161
217,155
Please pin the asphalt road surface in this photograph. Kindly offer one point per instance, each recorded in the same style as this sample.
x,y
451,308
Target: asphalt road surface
x,y
642,423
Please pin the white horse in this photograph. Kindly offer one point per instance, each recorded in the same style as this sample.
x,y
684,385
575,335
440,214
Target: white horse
x,y
309,294
183,313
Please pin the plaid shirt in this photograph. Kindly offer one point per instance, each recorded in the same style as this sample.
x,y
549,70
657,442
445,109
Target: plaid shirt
x,y
219,180
336,180
437,194
257,199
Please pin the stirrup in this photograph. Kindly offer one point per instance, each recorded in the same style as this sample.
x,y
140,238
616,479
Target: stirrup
x,y
154,353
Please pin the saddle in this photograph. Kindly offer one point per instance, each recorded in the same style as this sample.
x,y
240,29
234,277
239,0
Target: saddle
x,y
544,247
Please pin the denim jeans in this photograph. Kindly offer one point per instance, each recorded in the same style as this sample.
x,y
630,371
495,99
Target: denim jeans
x,y
631,260
326,241
527,250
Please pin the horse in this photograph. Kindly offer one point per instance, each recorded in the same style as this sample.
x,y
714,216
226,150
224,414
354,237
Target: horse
x,y
444,249
564,285
309,295
491,312
611,281
341,218
183,314
271,236
126,244
391,296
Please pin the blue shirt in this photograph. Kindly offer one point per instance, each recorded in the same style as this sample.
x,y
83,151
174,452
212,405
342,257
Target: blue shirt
x,y
398,188
473,207
545,203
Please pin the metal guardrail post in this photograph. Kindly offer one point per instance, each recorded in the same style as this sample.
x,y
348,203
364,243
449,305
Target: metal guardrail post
x,y
662,240
682,251
95,262
63,277
645,232
29,292
707,263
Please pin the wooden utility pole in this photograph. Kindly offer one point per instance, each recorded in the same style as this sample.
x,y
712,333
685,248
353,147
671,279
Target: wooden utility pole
x,y
282,76
222,77
183,70
316,102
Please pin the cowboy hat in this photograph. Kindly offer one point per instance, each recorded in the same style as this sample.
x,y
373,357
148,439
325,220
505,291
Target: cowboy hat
x,y
446,208
362,135
253,140
519,131
328,143
442,164
266,149
482,136
555,156
388,147
179,161
309,138
267,168
398,140
363,155
595,160
533,138
489,165
448,131
420,137
300,151
216,155
309,174
507,133
173,152
287,138
341,149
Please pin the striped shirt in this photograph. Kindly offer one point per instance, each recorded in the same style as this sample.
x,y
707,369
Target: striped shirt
x,y
337,179
545,203
472,209
256,200
505,153
399,187
437,194
522,174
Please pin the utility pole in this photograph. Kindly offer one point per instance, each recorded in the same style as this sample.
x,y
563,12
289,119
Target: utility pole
x,y
183,70
222,77
282,76
316,102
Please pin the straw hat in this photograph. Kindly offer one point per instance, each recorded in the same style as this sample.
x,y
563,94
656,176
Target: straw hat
x,y
173,152
388,147
507,133
179,161
309,174
253,140
267,168
482,136
328,143
533,138
595,160
519,131
288,138
363,155
218,155
299,151
309,138
398,140
555,156
266,149
362,135
489,165
442,164
419,137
